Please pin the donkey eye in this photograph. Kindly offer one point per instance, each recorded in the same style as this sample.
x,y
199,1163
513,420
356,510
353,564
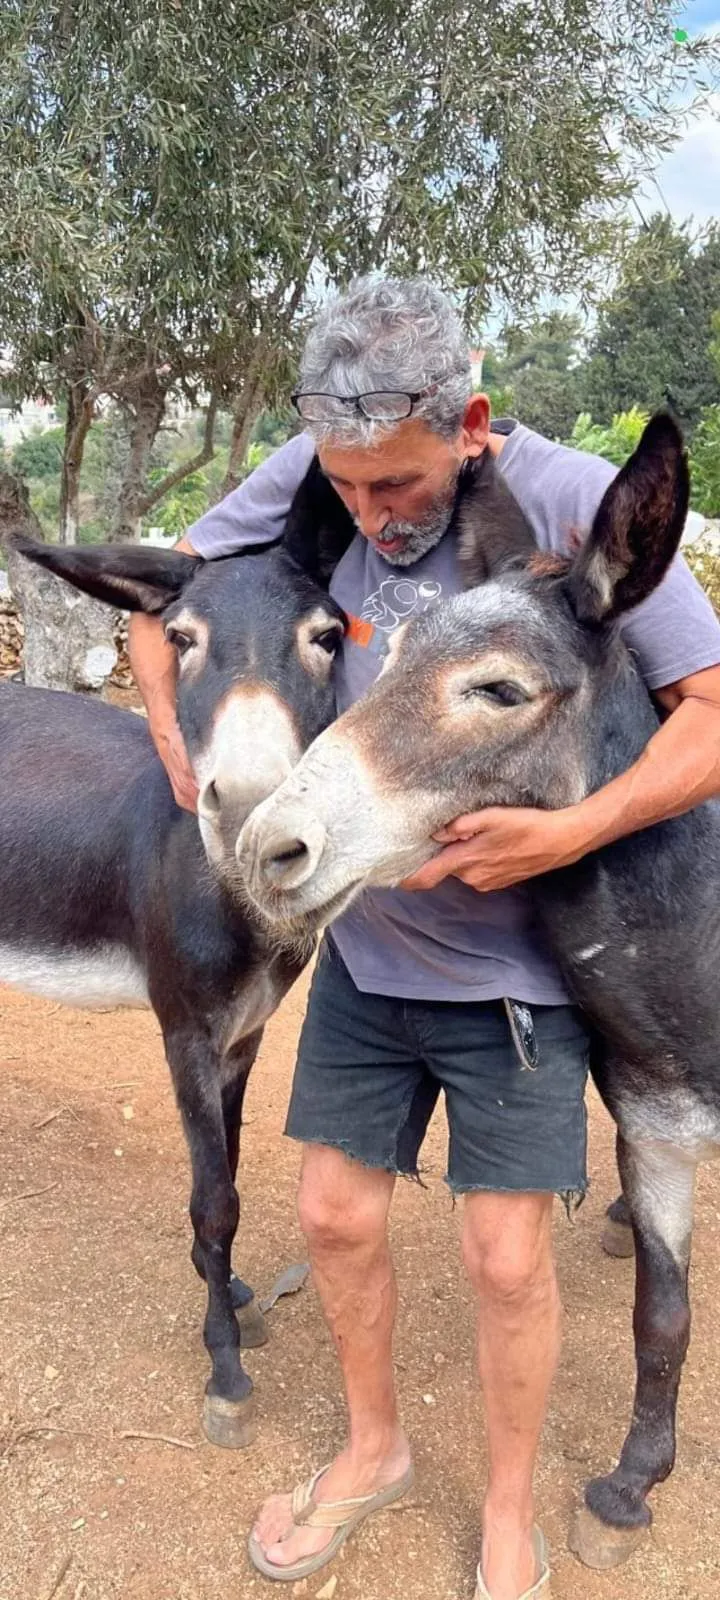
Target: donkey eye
x,y
501,694
328,640
182,641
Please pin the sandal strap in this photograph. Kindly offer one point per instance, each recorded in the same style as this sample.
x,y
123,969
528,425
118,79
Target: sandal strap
x,y
482,1593
540,1547
309,1513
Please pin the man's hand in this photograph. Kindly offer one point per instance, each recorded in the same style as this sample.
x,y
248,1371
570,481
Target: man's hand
x,y
496,848
171,750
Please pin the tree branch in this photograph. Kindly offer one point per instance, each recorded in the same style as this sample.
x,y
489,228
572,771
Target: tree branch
x,y
204,455
243,418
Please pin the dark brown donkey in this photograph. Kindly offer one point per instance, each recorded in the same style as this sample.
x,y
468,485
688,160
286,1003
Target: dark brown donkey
x,y
109,894
520,692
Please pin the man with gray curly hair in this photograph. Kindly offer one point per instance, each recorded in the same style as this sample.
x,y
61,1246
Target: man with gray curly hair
x,y
349,393
448,987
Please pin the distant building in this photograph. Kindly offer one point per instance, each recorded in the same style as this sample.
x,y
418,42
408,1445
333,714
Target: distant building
x,y
35,416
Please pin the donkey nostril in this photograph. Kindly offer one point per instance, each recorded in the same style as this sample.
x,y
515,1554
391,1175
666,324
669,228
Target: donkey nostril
x,y
210,799
277,865
287,860
294,852
279,849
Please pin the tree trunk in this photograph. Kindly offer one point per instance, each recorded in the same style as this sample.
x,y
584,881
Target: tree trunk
x,y
246,411
80,413
16,514
148,405
196,462
69,640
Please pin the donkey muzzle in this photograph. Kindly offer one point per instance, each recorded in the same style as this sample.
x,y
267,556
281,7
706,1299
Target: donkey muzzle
x,y
280,854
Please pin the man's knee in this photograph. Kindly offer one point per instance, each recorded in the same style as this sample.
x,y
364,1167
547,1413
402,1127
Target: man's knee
x,y
507,1247
341,1204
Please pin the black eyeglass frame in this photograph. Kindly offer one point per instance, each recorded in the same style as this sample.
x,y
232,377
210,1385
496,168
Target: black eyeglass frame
x,y
355,400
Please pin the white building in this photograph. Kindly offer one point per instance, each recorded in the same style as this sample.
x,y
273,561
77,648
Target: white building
x,y
35,416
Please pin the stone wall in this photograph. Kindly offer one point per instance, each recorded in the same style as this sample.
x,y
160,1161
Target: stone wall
x,y
12,632
11,636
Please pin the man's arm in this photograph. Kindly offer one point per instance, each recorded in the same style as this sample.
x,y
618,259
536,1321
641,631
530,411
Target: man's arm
x,y
678,769
253,513
154,668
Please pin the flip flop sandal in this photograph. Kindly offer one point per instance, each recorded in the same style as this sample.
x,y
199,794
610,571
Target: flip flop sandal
x,y
342,1515
541,1586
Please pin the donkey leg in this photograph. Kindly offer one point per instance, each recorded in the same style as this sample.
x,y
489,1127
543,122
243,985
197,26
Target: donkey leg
x,y
617,1235
214,1209
236,1071
658,1180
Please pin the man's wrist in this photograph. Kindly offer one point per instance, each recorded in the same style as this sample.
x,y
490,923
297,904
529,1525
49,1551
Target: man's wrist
x,y
163,725
585,826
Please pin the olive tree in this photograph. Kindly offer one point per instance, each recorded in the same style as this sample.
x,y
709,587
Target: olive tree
x,y
179,182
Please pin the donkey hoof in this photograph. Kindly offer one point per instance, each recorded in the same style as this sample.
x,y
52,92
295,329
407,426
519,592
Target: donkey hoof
x,y
252,1325
598,1545
617,1238
230,1424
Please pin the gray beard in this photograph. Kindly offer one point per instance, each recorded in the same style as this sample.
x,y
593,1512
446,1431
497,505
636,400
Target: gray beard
x,y
419,537
418,542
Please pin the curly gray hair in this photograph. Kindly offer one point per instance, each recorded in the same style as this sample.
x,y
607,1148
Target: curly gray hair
x,y
384,333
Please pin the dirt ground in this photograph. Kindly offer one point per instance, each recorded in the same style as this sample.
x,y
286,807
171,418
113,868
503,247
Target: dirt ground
x,y
101,1314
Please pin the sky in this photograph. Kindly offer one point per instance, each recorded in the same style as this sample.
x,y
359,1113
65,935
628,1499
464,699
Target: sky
x,y
689,178
701,14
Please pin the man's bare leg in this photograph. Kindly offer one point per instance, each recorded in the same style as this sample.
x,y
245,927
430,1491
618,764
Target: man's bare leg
x,y
343,1208
507,1248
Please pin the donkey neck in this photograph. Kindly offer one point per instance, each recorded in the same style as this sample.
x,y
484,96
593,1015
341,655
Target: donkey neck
x,y
621,719
637,876
622,920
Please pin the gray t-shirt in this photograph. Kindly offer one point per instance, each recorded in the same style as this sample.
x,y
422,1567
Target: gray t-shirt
x,y
451,943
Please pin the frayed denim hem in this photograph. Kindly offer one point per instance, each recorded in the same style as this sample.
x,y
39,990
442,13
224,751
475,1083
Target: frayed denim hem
x,y
345,1148
572,1199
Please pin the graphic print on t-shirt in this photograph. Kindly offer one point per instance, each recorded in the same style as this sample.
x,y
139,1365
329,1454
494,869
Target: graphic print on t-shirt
x,y
399,598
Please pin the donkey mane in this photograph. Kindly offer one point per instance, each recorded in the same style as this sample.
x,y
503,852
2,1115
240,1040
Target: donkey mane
x,y
491,529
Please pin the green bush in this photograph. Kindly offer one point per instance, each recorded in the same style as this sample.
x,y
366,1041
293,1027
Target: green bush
x,y
615,443
257,452
618,441
502,399
704,561
39,454
182,506
45,501
705,464
275,427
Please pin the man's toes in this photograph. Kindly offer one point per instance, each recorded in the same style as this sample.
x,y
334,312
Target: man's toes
x,y
270,1531
279,1555
273,1520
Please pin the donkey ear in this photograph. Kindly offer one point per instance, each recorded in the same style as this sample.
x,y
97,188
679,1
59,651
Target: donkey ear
x,y
491,528
130,577
319,528
637,529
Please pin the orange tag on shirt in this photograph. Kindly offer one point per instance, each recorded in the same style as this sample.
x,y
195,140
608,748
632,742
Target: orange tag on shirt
x,y
360,632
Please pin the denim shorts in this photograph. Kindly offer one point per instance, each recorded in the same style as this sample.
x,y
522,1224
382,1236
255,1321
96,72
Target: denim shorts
x,y
370,1069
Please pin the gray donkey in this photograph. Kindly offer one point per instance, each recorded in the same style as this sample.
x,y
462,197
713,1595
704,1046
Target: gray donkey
x,y
520,692
111,895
